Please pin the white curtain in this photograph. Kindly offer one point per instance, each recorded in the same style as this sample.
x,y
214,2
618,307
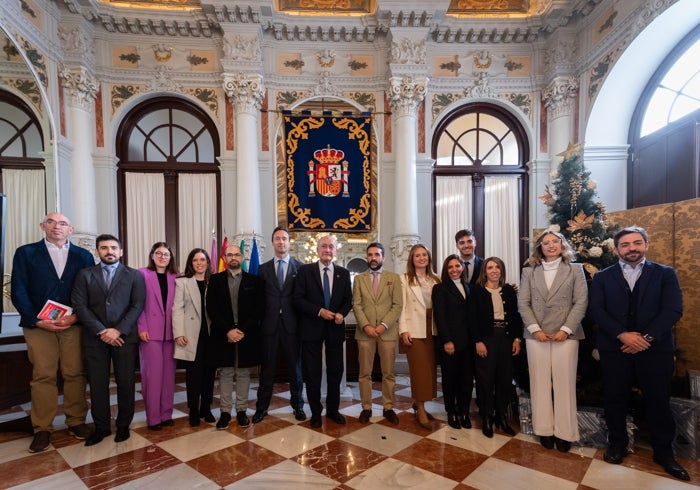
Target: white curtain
x,y
197,213
145,216
501,217
26,207
453,211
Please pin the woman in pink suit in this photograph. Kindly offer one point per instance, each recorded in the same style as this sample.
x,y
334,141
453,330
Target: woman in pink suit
x,y
156,333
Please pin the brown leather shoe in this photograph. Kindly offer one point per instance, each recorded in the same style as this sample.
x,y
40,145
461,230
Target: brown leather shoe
x,y
80,431
41,441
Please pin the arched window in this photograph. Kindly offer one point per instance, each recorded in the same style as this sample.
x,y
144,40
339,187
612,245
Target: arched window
x,y
168,179
664,163
480,182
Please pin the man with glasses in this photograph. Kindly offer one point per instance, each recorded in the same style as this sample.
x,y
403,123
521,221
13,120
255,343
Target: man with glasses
x,y
45,271
235,305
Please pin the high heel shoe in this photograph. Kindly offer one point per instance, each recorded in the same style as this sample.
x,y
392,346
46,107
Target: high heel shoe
x,y
502,424
487,426
425,425
453,421
428,414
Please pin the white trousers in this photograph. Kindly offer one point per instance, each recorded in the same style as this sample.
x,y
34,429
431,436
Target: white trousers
x,y
553,388
226,375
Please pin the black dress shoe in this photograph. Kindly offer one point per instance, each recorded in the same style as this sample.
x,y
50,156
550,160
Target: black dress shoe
x,y
365,415
41,441
502,424
155,427
259,416
672,467
391,416
316,421
562,445
242,418
465,421
205,413
453,421
122,434
547,442
614,455
299,414
336,417
224,420
167,423
96,437
194,419
487,426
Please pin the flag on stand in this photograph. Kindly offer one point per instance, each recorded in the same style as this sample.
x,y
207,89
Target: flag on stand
x,y
222,261
214,263
254,259
244,265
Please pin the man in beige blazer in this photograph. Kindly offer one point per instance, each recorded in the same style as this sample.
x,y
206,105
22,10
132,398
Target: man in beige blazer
x,y
377,302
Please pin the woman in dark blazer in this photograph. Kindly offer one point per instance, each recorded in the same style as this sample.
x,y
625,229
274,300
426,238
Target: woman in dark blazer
x,y
451,315
191,333
156,333
496,330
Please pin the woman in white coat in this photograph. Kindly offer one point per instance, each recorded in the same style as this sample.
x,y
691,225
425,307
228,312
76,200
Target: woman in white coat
x,y
417,330
552,301
191,333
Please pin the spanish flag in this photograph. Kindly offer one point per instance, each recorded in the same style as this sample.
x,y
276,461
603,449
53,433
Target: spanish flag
x,y
222,259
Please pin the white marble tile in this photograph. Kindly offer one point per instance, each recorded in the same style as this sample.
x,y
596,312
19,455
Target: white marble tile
x,y
180,476
286,475
78,455
199,443
588,452
15,449
603,475
391,473
381,439
65,479
292,440
497,474
471,439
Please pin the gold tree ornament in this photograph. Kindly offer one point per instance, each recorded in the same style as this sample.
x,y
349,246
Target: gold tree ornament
x,y
581,222
547,197
571,150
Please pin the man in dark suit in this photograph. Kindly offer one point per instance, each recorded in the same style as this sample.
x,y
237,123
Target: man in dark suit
x,y
235,305
280,327
44,271
323,296
636,304
466,244
108,299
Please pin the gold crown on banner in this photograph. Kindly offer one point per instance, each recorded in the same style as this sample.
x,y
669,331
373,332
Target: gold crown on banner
x,y
329,155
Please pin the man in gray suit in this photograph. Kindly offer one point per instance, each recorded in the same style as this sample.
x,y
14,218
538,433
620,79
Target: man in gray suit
x,y
280,327
108,299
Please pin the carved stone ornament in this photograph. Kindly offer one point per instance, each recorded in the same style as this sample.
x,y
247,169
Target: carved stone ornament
x,y
405,94
245,92
563,52
240,48
482,60
481,88
81,84
400,247
407,51
74,41
325,86
162,53
326,58
162,82
560,95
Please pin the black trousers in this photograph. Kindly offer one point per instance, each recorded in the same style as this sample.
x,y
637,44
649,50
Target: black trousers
x,y
199,379
652,372
289,343
457,379
494,374
312,368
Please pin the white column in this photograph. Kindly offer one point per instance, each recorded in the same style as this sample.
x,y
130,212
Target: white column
x,y
405,95
246,92
82,88
559,99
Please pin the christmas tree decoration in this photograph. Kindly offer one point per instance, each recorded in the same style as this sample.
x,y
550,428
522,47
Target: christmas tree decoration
x,y
574,212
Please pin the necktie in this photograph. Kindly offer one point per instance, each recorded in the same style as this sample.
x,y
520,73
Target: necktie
x,y
107,273
280,273
326,289
375,283
466,271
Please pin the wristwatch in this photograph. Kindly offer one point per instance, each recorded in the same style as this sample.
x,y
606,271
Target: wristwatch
x,y
648,338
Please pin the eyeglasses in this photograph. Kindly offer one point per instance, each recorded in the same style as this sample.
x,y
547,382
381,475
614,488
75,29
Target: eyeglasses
x,y
228,256
53,222
165,255
551,242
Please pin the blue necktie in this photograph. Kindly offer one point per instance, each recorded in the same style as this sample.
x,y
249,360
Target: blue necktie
x,y
280,273
326,289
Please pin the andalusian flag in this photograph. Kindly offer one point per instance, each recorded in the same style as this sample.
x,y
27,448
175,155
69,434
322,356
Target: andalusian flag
x,y
244,265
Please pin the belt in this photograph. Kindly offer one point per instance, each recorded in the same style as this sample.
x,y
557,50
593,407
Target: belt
x,y
500,324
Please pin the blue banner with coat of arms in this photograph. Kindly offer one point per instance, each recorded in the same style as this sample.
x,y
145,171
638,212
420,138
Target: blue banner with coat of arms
x,y
328,170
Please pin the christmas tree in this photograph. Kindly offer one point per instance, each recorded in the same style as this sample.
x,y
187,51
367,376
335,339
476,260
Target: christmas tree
x,y
574,212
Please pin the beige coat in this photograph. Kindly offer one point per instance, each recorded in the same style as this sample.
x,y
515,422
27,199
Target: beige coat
x,y
187,316
386,307
412,319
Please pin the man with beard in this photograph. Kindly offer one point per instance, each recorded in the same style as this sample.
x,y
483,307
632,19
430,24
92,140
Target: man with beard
x,y
235,305
108,299
636,304
377,301
466,244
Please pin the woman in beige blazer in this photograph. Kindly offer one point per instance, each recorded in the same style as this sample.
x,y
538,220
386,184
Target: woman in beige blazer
x,y
417,330
191,333
552,301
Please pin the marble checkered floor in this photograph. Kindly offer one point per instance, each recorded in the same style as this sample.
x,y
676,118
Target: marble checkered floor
x,y
283,453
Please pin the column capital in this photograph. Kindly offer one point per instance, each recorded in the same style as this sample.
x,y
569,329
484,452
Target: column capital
x,y
81,85
406,93
245,91
560,95
400,247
